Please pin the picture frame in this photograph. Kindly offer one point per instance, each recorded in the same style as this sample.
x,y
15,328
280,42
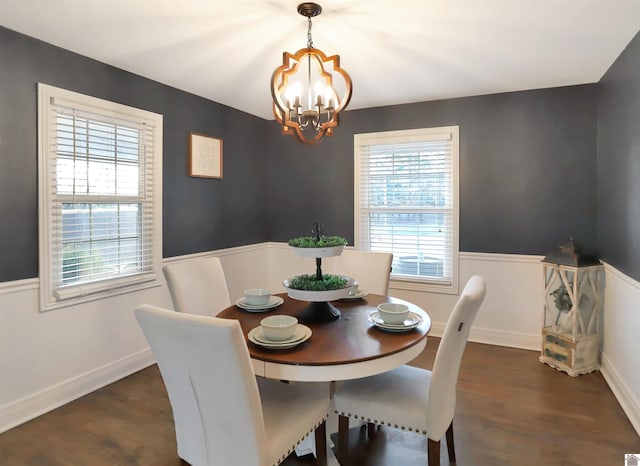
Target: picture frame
x,y
205,156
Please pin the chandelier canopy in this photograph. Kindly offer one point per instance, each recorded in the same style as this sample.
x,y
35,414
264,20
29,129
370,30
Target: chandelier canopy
x,y
309,89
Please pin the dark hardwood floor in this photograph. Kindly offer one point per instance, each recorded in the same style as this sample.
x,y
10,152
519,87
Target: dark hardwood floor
x,y
511,410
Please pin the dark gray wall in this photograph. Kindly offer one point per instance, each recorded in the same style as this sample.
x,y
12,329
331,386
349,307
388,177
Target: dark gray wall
x,y
198,214
619,162
527,169
528,163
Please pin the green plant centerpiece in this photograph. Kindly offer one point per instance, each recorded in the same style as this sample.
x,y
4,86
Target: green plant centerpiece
x,y
318,288
311,282
318,246
321,242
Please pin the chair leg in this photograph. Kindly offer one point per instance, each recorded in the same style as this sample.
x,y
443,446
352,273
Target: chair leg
x,y
450,445
371,430
433,449
343,435
321,444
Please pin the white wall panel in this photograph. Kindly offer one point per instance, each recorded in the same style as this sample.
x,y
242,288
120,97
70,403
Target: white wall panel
x,y
511,314
284,264
48,359
244,267
620,355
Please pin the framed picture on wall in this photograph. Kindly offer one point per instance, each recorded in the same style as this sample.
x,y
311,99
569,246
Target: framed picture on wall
x,y
205,156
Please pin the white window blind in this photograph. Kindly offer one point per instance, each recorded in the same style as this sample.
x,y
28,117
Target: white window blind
x,y
406,201
100,195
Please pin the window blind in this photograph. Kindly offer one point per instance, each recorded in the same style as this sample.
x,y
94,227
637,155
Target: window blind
x,y
101,197
406,202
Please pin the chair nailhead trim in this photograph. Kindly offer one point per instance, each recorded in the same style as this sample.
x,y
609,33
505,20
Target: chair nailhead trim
x,y
300,440
381,422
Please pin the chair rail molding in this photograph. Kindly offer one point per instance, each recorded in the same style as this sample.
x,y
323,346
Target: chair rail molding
x,y
499,257
257,247
19,285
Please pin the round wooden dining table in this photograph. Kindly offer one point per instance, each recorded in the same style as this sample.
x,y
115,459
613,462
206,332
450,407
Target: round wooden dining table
x,y
346,348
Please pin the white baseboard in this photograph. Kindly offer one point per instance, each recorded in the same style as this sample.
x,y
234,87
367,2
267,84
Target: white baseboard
x,y
495,337
627,399
29,407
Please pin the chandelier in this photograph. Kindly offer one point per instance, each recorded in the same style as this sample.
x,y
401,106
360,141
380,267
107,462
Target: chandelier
x,y
309,89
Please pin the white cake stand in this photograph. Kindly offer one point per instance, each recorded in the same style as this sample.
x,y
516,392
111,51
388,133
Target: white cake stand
x,y
319,308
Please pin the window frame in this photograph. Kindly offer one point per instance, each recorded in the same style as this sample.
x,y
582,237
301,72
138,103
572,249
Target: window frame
x,y
405,136
51,298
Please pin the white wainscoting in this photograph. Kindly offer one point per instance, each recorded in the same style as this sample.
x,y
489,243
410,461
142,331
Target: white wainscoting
x,y
510,316
620,361
48,359
244,267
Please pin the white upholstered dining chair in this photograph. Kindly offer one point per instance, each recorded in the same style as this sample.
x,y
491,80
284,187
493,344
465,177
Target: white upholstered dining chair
x,y
411,398
370,269
197,286
223,414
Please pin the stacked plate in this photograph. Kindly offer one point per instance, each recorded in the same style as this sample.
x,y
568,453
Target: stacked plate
x,y
412,321
274,301
301,334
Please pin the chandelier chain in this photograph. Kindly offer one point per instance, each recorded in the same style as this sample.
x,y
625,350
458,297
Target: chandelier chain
x,y
309,38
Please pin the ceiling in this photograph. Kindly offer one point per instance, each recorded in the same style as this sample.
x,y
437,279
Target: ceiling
x,y
396,51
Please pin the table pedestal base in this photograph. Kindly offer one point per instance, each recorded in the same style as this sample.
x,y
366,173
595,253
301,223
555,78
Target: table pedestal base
x,y
319,312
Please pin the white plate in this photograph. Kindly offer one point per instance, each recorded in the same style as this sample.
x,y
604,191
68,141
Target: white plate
x,y
411,322
302,334
318,252
298,334
353,297
274,301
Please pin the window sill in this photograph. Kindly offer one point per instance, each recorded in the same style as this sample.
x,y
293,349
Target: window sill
x,y
84,298
423,285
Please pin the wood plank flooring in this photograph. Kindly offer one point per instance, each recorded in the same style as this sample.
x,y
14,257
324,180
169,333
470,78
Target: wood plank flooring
x,y
511,410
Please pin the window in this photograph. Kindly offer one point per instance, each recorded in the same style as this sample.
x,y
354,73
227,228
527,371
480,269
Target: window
x,y
100,197
406,203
